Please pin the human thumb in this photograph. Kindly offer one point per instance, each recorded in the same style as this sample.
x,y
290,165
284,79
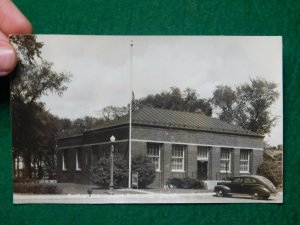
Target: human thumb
x,y
8,58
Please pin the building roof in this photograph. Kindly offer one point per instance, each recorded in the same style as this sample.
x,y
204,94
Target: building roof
x,y
177,119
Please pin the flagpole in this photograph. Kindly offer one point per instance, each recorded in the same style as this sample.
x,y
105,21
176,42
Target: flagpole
x,y
130,117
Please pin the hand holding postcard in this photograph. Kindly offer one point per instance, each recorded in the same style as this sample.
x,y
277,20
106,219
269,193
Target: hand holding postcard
x,y
147,119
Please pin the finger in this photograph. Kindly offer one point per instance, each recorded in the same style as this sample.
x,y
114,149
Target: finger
x,y
8,57
12,21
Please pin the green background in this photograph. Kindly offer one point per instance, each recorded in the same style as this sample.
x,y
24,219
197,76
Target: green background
x,y
162,17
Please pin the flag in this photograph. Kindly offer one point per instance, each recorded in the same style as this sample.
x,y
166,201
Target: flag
x,y
134,103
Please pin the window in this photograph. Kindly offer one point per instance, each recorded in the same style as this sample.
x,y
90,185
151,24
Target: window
x,y
153,152
237,180
19,166
78,159
248,180
244,160
178,158
64,159
203,153
225,162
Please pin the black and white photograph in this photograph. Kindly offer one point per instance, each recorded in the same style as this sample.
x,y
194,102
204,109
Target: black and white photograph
x,y
147,119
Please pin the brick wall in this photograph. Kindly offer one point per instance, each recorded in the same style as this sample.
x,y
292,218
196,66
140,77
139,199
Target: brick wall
x,y
185,136
191,161
257,159
236,162
215,154
71,174
167,163
159,135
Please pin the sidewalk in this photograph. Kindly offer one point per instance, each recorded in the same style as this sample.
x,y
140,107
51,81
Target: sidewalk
x,y
124,196
77,194
141,198
70,188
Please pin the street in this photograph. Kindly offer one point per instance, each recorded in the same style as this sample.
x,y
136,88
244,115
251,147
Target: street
x,y
139,198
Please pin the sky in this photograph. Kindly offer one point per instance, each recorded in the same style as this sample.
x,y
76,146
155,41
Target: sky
x,y
100,66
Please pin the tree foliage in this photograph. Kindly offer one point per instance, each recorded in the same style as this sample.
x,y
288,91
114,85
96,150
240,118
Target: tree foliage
x,y
145,168
34,136
28,48
101,173
248,105
187,100
34,129
112,112
271,170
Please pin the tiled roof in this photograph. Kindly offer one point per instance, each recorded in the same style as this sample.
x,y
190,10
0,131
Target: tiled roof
x,y
178,119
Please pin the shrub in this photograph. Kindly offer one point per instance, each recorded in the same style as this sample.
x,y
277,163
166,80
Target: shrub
x,y
144,166
101,173
37,188
271,170
50,189
186,183
19,180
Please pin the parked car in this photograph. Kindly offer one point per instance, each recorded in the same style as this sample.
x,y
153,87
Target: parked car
x,y
258,187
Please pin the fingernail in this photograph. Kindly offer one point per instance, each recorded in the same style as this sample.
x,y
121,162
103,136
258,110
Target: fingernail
x,y
7,60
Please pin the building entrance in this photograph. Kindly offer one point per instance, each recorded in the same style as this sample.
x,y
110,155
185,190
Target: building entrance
x,y
202,168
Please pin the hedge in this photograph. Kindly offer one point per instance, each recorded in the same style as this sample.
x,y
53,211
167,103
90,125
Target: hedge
x,y
37,188
186,183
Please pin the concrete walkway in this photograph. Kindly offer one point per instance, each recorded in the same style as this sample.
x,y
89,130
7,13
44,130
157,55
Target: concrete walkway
x,y
77,194
142,198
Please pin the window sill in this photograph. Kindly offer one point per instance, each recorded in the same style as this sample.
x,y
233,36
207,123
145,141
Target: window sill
x,y
245,172
177,171
225,172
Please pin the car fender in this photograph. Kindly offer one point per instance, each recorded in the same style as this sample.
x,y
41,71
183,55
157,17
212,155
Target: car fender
x,y
261,190
224,188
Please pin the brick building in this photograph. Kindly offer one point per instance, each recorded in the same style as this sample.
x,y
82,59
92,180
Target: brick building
x,y
180,144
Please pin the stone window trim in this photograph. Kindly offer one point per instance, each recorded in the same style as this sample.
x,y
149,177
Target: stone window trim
x,y
226,154
78,160
177,161
245,161
154,153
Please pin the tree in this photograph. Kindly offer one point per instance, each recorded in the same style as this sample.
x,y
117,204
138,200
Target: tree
x,y
34,137
101,173
271,169
175,99
225,98
34,129
145,168
28,48
248,105
112,112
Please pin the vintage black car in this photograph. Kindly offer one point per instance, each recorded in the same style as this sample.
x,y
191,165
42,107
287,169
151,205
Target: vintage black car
x,y
257,187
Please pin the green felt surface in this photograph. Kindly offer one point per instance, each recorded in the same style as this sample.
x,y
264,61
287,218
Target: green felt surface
x,y
162,17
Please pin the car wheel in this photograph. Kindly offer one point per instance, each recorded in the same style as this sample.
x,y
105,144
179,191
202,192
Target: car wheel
x,y
255,195
220,193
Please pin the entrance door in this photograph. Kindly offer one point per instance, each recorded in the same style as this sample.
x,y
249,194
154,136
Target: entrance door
x,y
202,170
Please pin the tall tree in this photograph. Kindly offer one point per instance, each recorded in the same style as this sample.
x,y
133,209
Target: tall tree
x,y
248,105
112,112
175,99
225,98
34,129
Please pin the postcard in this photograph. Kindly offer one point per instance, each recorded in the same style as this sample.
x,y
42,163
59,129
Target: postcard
x,y
147,119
